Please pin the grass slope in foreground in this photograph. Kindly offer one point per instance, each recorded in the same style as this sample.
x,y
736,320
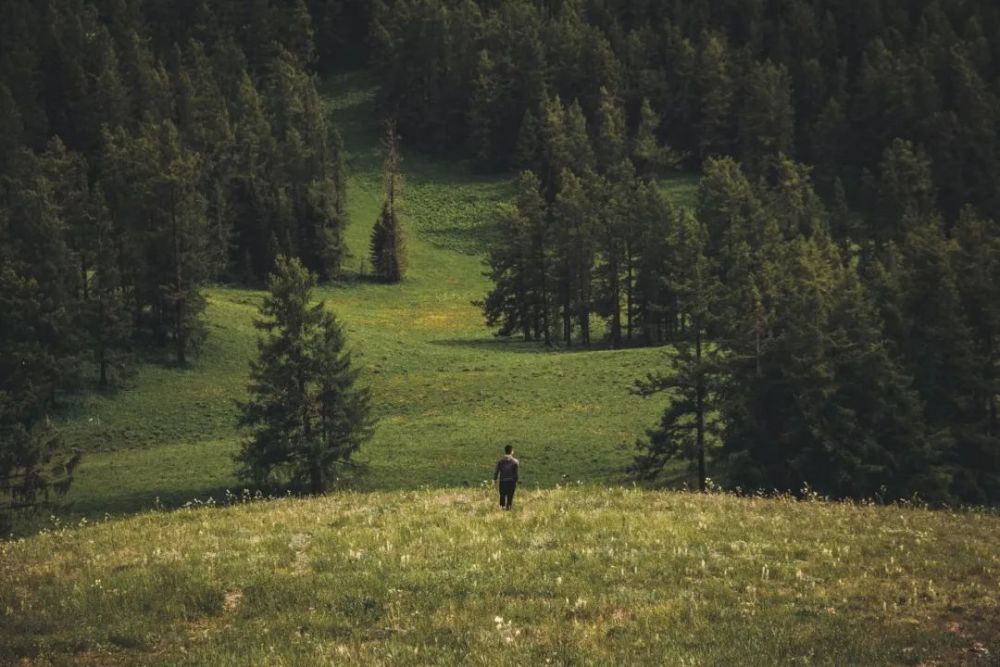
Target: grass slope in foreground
x,y
448,394
573,576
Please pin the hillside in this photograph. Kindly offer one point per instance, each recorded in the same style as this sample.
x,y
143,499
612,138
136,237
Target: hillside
x,y
575,575
449,395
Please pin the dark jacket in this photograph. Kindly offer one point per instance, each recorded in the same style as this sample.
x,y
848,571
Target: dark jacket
x,y
506,470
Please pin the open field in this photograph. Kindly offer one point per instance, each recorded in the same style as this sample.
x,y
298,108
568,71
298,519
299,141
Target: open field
x,y
449,395
576,575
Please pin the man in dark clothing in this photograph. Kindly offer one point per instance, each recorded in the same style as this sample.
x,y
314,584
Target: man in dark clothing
x,y
506,475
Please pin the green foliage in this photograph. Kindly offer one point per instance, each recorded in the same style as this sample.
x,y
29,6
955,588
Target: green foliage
x,y
305,414
388,248
690,426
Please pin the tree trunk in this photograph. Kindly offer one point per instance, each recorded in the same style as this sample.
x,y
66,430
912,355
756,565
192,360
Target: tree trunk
x,y
546,328
992,429
700,410
316,482
567,314
616,305
180,337
101,349
83,277
628,291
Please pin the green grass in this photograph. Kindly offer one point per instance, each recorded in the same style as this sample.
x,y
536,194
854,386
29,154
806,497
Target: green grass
x,y
448,394
573,576
389,572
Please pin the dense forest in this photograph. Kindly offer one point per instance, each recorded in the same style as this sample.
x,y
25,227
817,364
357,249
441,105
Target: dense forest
x,y
834,298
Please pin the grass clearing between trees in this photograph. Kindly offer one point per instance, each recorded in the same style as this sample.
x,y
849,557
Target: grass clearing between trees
x,y
448,394
578,575
390,572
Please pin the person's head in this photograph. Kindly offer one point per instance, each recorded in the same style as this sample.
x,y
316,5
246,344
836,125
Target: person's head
x,y
509,449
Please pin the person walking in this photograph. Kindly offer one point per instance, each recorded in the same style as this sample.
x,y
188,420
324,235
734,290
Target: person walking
x,y
505,475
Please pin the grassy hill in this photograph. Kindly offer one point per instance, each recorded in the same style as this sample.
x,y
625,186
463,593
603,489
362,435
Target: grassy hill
x,y
449,395
574,575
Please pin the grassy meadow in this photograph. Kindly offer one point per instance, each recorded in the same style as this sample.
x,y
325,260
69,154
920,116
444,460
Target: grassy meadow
x,y
574,576
411,563
448,393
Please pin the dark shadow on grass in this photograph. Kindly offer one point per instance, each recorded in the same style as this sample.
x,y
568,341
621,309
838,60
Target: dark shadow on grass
x,y
468,241
501,344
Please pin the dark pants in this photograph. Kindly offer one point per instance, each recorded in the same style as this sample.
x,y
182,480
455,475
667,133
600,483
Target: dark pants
x,y
507,494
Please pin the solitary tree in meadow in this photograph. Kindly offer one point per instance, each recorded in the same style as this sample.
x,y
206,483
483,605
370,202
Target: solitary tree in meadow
x,y
388,252
306,413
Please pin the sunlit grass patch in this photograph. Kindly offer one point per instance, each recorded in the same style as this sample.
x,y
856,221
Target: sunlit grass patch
x,y
585,575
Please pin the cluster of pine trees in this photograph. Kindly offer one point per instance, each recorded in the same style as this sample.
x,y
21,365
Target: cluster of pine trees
x,y
587,236
861,368
146,149
835,323
829,83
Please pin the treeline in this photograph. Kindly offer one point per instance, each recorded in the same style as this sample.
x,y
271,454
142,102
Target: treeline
x,y
146,149
860,370
836,323
831,84
587,236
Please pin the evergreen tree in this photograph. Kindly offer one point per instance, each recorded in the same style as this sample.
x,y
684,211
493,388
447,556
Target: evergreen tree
x,y
106,321
527,152
689,427
611,133
714,83
579,149
650,254
647,153
518,262
306,414
615,221
905,191
978,273
767,119
11,127
388,252
176,210
812,396
38,346
574,244
480,110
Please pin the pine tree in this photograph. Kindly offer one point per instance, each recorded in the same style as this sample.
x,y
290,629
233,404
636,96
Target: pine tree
x,y
613,228
767,118
650,255
611,133
11,127
527,151
306,414
177,210
647,153
978,272
714,83
689,427
205,124
107,322
38,343
574,231
388,251
579,149
518,262
480,114
555,148
905,193
812,395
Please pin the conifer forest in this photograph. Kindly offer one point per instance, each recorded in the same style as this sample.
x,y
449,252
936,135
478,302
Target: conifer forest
x,y
744,247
